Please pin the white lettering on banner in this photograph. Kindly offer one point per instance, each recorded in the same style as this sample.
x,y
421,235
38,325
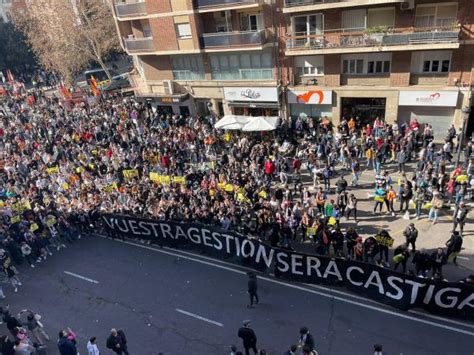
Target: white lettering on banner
x,y
469,301
313,262
296,261
124,228
262,254
282,263
154,225
378,281
218,244
145,230
133,227
227,242
399,294
252,248
414,290
428,98
348,275
237,246
193,234
166,230
453,299
180,233
255,94
206,238
428,294
332,269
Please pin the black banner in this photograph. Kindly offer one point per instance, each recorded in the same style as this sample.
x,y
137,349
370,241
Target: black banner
x,y
380,284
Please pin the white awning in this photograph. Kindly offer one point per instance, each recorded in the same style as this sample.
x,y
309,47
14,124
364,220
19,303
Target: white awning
x,y
262,123
232,122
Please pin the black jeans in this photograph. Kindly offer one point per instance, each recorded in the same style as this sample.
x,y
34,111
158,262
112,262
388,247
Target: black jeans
x,y
349,212
404,202
253,295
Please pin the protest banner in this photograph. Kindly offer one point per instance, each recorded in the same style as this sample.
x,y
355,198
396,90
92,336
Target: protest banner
x,y
53,170
130,174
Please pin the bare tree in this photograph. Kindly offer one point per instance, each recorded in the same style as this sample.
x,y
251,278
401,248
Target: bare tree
x,y
66,35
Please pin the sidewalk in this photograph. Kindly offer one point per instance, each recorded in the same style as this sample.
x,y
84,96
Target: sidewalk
x,y
429,236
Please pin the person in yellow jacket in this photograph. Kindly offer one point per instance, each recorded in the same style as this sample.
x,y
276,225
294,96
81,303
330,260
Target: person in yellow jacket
x,y
389,199
370,155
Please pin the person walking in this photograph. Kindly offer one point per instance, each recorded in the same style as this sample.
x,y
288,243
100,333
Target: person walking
x,y
436,204
92,348
66,346
252,289
454,245
411,234
35,327
459,217
117,342
248,337
306,339
352,207
389,200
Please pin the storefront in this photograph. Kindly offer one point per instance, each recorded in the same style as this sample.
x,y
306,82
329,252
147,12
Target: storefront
x,y
434,107
366,108
176,104
310,103
253,101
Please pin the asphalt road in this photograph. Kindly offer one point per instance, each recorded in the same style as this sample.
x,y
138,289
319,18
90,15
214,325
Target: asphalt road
x,y
155,297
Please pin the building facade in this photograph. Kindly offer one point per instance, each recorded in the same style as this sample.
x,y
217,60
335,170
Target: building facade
x,y
395,59
7,6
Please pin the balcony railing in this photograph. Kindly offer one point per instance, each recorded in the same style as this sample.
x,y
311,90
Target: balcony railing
x,y
233,39
348,38
294,3
243,74
139,44
210,3
130,9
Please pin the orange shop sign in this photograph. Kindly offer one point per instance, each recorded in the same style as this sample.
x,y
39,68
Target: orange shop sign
x,y
310,97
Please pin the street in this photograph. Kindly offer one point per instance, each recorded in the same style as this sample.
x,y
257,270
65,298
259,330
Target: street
x,y
175,302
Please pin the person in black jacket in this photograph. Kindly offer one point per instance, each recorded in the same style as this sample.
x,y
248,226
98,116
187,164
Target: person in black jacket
x,y
7,347
252,289
411,234
454,245
438,259
66,346
249,338
12,323
422,262
306,339
117,342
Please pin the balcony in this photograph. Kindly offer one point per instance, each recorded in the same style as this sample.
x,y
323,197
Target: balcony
x,y
223,3
131,9
233,39
134,45
292,6
344,40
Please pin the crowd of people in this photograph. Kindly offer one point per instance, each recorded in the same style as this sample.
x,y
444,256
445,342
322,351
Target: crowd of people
x,y
60,167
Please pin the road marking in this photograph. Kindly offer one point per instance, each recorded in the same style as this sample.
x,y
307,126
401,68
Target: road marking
x,y
81,277
462,258
199,317
341,299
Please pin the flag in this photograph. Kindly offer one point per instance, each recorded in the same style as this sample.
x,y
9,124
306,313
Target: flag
x,y
94,87
64,91
10,75
2,76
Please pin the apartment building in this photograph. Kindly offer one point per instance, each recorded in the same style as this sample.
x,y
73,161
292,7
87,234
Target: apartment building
x,y
6,6
390,58
203,55
397,59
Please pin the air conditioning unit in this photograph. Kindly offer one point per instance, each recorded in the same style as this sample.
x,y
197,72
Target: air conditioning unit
x,y
407,5
168,84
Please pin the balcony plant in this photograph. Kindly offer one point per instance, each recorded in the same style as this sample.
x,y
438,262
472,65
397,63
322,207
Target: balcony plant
x,y
376,33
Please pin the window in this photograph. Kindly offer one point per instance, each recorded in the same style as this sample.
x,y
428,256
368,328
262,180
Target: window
x,y
250,22
436,66
436,15
381,17
187,67
146,31
245,66
379,66
309,65
183,30
354,19
353,66
307,25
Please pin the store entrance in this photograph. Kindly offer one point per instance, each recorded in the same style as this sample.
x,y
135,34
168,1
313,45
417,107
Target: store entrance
x,y
255,111
367,109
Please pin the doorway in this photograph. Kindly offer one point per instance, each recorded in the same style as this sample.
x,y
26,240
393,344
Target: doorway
x,y
367,109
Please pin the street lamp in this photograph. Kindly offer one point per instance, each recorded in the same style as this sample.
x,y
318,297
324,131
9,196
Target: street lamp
x,y
466,111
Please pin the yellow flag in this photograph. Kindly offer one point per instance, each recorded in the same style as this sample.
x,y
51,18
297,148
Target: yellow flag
x,y
53,170
130,174
15,219
155,177
34,227
179,180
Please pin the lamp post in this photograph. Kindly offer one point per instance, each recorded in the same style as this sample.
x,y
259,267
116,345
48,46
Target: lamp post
x,y
466,111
